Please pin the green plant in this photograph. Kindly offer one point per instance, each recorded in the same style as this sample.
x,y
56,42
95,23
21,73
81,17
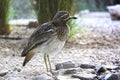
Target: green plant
x,y
74,30
46,9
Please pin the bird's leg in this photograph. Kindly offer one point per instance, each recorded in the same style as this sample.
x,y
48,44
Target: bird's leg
x,y
45,59
49,63
54,74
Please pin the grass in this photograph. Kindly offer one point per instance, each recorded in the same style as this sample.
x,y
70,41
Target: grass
x,y
74,30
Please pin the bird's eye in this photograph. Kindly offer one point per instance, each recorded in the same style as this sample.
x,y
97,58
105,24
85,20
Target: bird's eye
x,y
65,16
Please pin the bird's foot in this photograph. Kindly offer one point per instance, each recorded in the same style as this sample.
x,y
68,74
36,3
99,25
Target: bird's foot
x,y
54,74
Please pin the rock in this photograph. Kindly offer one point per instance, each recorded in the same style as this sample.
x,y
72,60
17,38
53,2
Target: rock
x,y
17,69
109,67
87,66
1,78
43,77
59,66
84,76
14,78
65,65
100,70
117,62
114,76
114,12
70,71
66,77
3,72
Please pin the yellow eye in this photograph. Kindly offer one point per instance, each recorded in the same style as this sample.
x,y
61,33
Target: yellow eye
x,y
65,16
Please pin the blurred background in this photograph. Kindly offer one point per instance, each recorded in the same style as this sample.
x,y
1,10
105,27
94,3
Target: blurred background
x,y
23,8
32,13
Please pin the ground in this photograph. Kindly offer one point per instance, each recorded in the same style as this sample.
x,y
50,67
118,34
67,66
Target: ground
x,y
98,43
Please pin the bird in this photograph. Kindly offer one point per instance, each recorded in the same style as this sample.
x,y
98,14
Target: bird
x,y
48,38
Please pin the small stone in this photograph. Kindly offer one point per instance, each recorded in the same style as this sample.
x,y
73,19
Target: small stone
x,y
3,72
100,70
67,77
1,78
17,69
43,77
59,66
109,67
84,76
87,66
114,76
117,62
65,65
14,78
114,11
70,71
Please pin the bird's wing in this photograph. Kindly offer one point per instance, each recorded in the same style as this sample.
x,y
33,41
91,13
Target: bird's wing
x,y
39,36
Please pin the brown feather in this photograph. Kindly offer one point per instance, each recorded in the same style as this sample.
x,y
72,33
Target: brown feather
x,y
29,55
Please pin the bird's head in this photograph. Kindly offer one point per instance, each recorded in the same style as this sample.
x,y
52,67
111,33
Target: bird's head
x,y
63,16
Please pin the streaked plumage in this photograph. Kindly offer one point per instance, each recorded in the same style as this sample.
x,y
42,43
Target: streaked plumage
x,y
48,38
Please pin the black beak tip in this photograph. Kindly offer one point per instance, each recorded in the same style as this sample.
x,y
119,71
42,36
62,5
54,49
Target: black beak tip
x,y
74,17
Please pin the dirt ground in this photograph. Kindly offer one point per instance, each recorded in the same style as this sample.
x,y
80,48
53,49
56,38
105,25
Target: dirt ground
x,y
97,44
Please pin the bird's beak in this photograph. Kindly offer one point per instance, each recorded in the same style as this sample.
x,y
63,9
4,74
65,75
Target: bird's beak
x,y
71,17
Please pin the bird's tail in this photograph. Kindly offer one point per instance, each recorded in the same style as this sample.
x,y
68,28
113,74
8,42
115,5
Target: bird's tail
x,y
29,55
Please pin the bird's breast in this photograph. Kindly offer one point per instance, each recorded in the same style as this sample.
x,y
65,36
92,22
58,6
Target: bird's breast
x,y
63,32
53,45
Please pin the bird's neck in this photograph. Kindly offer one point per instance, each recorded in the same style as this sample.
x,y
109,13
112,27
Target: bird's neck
x,y
62,30
59,23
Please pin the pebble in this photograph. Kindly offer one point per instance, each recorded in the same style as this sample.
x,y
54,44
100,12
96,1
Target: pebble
x,y
43,77
65,65
84,76
1,78
113,76
100,70
70,71
14,78
118,62
17,69
3,72
87,66
109,67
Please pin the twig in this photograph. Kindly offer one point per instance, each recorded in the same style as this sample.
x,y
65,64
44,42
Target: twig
x,y
10,37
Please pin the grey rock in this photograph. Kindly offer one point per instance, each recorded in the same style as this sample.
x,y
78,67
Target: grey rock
x,y
87,66
100,70
117,62
109,67
59,66
3,72
65,65
14,78
43,77
17,69
1,78
84,76
114,76
70,71
114,12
